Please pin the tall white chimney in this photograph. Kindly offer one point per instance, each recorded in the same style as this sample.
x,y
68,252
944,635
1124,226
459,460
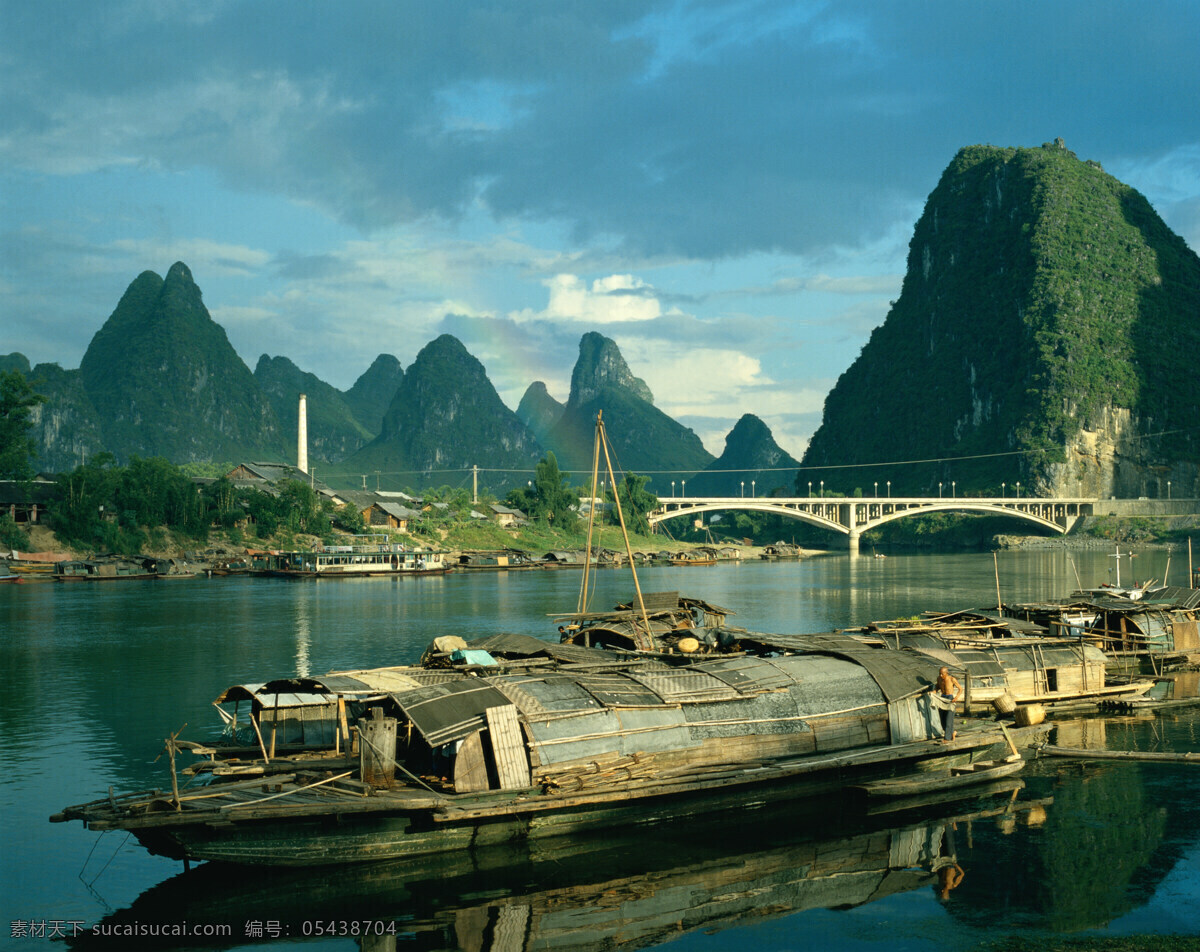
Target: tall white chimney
x,y
302,436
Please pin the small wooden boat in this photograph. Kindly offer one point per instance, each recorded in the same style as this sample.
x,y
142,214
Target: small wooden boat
x,y
687,558
935,781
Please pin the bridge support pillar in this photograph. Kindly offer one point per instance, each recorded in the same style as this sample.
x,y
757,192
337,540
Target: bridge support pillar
x,y
852,541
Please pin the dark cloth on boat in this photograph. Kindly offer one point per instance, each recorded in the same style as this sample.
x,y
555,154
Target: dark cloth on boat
x,y
947,713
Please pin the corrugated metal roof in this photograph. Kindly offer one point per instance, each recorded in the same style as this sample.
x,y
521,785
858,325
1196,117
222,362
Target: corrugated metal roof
x,y
379,679
542,695
899,674
617,690
749,675
447,712
603,732
676,685
1174,596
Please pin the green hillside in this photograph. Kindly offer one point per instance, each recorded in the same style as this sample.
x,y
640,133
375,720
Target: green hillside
x,y
372,393
752,463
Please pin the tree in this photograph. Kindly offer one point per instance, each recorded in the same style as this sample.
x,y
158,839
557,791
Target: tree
x,y
17,399
82,496
636,501
552,500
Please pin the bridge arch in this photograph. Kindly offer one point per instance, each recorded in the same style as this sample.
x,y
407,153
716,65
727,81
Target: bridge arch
x,y
992,509
661,515
851,516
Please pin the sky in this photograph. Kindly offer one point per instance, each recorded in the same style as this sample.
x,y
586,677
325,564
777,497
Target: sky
x,y
726,189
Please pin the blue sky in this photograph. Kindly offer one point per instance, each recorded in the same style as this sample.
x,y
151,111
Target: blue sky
x,y
727,189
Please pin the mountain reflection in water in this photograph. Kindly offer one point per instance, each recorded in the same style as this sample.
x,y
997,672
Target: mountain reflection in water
x,y
630,891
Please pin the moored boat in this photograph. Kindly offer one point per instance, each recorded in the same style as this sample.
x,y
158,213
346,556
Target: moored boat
x,y
693,557
512,737
925,782
367,556
106,569
519,738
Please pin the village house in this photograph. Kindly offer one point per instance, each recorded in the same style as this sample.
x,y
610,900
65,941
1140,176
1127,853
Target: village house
x,y
504,516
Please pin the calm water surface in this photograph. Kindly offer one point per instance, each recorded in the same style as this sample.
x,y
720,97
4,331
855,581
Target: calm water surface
x,y
99,674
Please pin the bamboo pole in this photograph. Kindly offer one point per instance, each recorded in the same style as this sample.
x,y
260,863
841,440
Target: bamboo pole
x,y
258,734
996,565
1188,757
285,793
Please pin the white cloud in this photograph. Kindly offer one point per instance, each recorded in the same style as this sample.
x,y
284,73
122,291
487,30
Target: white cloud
x,y
615,299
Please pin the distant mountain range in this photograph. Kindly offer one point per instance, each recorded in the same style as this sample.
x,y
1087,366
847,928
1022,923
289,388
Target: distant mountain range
x,y
1045,332
160,378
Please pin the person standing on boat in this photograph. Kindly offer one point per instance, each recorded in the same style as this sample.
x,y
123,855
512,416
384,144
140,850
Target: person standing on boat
x,y
947,690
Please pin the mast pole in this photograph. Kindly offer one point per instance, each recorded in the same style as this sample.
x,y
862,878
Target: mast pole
x,y
587,555
641,604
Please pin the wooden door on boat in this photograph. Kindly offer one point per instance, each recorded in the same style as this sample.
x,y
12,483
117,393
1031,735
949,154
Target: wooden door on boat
x,y
495,758
912,718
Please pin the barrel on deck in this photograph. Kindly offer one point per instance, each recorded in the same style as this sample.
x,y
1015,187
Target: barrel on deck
x,y
1005,704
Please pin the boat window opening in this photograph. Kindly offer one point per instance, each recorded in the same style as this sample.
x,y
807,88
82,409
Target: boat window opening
x,y
1052,679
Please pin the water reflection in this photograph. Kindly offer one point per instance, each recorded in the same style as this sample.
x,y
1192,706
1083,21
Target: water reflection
x,y
627,891
303,638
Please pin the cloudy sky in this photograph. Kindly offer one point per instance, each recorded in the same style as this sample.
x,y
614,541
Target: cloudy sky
x,y
727,189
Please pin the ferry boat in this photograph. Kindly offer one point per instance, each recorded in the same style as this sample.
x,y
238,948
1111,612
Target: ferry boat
x,y
366,556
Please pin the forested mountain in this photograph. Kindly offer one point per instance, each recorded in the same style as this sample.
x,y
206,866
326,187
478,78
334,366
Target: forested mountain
x,y
645,439
539,411
373,392
1047,313
165,381
445,418
752,463
333,431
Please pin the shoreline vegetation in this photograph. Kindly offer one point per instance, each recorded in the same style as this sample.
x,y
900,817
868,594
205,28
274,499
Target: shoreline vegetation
x,y
163,542
153,508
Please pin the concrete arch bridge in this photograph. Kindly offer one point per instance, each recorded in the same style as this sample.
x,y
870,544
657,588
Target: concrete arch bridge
x,y
852,517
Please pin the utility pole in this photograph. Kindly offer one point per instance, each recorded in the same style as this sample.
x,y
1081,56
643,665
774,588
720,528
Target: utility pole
x,y
474,484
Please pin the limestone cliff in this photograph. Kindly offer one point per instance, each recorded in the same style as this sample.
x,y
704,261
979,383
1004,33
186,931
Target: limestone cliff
x,y
538,410
646,440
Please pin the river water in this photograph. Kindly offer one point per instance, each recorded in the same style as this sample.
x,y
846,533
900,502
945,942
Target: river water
x,y
99,674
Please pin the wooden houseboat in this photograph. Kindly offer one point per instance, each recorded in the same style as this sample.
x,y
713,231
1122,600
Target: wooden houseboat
x,y
114,569
514,737
780,551
366,556
1137,634
997,656
504,559
694,557
672,623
